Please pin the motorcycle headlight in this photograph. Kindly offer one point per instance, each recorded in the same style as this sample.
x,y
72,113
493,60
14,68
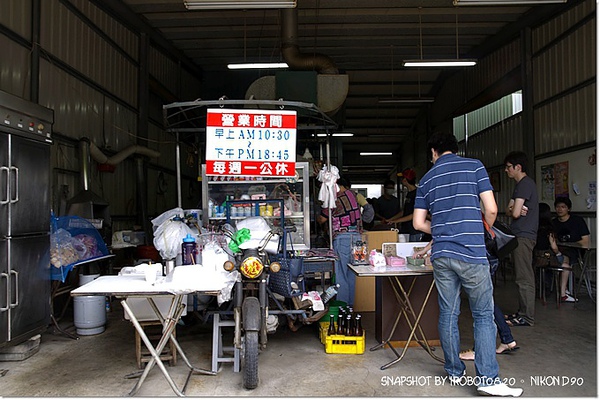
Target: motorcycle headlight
x,y
251,267
275,267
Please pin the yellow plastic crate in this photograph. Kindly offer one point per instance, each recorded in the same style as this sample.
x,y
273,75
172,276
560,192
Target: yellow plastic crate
x,y
323,327
341,344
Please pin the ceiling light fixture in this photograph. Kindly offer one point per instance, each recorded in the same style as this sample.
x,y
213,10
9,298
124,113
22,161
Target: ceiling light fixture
x,y
503,2
257,65
337,134
237,4
443,63
440,63
343,134
376,153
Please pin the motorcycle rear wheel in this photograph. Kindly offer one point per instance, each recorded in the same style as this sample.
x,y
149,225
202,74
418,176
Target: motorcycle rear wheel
x,y
250,368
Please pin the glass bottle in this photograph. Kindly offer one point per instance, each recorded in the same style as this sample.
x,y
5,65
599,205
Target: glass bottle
x,y
331,330
358,329
348,326
341,325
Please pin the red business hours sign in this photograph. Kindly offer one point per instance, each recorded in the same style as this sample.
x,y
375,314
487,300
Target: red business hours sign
x,y
250,142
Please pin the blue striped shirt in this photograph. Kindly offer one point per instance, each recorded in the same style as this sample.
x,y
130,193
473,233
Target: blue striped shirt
x,y
450,192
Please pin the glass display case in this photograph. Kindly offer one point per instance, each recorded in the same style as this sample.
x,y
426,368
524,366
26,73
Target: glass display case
x,y
217,190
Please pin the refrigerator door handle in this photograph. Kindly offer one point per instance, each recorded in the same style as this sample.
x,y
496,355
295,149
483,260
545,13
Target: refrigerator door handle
x,y
7,171
5,276
16,274
16,193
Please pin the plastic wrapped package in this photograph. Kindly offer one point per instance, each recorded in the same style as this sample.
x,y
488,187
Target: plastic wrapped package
x,y
73,240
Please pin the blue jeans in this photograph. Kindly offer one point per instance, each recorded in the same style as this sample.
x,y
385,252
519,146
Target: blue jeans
x,y
504,332
342,245
450,275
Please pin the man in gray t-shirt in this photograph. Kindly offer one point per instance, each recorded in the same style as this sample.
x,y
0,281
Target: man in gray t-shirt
x,y
523,209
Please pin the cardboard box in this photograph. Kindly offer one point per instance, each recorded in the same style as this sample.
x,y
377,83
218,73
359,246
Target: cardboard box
x,y
364,296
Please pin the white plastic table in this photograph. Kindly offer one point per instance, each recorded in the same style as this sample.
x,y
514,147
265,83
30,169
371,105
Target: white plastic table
x,y
126,286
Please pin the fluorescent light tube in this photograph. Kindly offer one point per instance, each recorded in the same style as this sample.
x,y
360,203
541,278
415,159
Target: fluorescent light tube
x,y
343,134
376,153
337,134
257,66
503,2
440,63
237,4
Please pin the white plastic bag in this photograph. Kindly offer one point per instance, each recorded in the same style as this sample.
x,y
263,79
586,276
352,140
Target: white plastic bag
x,y
166,216
225,293
329,188
169,236
259,229
213,256
377,259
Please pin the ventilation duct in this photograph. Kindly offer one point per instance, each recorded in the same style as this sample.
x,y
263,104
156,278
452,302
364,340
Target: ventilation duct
x,y
331,87
101,158
291,51
86,203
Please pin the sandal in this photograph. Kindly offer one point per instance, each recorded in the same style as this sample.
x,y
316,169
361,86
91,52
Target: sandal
x,y
519,321
467,355
511,316
505,348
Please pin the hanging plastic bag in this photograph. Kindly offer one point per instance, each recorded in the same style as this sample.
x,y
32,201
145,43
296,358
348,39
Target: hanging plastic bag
x,y
168,237
166,216
329,188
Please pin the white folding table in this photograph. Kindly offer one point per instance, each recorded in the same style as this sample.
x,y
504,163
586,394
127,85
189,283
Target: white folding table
x,y
126,286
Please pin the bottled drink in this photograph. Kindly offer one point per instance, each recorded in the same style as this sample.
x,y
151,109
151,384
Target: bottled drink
x,y
331,330
341,325
189,250
358,330
348,326
329,293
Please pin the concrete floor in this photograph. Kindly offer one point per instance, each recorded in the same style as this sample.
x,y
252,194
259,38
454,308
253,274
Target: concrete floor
x,y
561,345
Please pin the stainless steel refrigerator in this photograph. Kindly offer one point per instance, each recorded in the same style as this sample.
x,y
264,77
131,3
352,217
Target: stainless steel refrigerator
x,y
25,139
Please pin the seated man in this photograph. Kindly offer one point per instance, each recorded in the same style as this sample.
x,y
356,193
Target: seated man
x,y
569,228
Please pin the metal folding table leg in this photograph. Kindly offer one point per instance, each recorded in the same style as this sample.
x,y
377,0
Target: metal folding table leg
x,y
403,299
416,324
169,324
175,312
401,313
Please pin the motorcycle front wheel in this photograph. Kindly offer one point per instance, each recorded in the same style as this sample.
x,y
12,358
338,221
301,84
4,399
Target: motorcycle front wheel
x,y
250,369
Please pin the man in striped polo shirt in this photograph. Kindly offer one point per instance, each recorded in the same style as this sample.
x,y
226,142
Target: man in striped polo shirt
x,y
452,191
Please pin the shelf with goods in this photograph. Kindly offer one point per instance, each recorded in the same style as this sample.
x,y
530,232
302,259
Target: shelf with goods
x,y
294,192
